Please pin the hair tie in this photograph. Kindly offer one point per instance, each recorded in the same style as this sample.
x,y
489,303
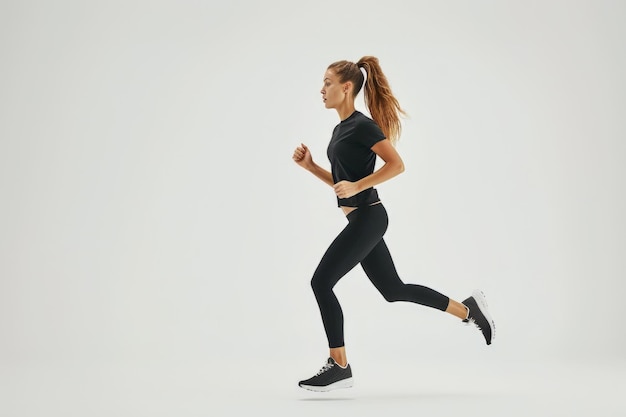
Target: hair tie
x,y
364,74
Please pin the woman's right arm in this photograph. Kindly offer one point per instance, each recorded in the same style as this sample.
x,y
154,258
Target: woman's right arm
x,y
302,156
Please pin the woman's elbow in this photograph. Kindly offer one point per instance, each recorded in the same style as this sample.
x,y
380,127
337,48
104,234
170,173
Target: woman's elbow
x,y
400,167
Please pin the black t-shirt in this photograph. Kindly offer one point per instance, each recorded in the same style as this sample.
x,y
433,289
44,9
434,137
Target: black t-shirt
x,y
351,157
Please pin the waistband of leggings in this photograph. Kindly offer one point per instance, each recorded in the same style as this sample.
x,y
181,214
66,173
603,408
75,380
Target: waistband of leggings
x,y
363,207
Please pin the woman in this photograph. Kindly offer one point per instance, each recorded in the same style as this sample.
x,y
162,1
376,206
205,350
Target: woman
x,y
356,142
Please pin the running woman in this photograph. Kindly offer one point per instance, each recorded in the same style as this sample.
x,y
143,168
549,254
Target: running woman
x,y
355,143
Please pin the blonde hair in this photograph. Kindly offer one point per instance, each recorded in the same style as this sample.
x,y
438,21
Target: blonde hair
x,y
379,99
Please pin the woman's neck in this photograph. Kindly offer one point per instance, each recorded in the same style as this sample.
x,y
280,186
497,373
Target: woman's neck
x,y
345,111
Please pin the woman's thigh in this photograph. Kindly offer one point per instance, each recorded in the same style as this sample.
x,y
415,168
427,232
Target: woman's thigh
x,y
352,245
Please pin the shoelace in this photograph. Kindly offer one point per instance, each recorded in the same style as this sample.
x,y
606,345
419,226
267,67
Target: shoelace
x,y
476,324
470,321
325,368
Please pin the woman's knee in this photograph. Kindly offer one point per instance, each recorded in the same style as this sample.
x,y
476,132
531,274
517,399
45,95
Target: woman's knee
x,y
391,297
319,285
392,294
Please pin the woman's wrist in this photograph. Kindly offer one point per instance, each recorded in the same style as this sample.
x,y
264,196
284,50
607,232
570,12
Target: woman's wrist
x,y
359,185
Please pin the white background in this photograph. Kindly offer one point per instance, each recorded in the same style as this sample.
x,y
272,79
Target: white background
x,y
157,240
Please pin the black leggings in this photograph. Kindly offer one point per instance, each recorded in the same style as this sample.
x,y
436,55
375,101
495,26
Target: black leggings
x,y
362,241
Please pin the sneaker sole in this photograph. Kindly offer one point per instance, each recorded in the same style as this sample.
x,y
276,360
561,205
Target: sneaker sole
x,y
482,305
344,383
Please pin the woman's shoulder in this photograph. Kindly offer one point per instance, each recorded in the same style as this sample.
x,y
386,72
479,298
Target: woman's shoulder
x,y
362,117
362,121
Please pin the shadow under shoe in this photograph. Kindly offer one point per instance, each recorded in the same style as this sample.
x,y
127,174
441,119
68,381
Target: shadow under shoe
x,y
331,376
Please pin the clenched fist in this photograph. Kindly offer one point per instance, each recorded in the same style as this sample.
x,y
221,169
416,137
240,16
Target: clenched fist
x,y
302,156
346,189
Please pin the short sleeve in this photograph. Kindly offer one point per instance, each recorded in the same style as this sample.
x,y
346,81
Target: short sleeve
x,y
369,133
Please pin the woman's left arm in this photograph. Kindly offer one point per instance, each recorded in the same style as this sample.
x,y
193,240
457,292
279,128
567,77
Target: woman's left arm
x,y
392,167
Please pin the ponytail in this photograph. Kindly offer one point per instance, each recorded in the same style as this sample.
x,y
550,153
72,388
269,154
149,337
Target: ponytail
x,y
379,99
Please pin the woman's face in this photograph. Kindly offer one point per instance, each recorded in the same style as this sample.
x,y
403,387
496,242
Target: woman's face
x,y
333,91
